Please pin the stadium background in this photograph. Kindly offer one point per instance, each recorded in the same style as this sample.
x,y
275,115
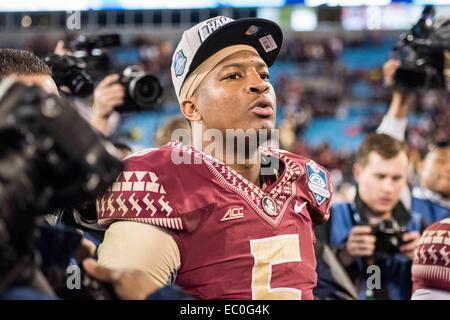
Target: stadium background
x,y
328,77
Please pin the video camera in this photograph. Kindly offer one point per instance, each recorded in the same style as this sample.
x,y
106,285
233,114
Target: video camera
x,y
70,71
93,50
89,59
50,158
424,55
86,61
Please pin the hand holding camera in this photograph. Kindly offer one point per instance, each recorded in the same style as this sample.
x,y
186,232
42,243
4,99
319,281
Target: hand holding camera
x,y
410,240
386,238
360,243
108,95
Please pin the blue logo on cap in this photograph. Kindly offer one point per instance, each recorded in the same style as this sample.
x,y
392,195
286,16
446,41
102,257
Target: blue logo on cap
x,y
179,63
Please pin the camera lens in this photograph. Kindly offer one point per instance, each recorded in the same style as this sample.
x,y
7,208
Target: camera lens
x,y
79,84
145,90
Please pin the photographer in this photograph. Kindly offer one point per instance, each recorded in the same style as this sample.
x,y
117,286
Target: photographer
x,y
431,199
376,229
27,68
44,166
77,68
107,95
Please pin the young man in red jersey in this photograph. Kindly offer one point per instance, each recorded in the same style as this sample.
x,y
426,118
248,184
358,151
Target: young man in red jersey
x,y
232,221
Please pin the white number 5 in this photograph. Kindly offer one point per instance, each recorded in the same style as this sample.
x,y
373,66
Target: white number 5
x,y
268,252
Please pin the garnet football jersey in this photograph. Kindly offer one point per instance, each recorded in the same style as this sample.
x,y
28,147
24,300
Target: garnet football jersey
x,y
236,241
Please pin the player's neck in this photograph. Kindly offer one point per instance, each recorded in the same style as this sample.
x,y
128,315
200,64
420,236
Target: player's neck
x,y
249,172
246,162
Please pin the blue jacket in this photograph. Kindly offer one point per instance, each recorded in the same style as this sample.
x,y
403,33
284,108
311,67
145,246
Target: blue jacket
x,y
429,205
395,270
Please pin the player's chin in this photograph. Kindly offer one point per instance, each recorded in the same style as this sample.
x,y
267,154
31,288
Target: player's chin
x,y
260,123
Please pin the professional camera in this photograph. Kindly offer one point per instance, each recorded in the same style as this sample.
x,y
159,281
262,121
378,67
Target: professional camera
x,y
70,71
424,55
389,235
50,158
142,90
92,49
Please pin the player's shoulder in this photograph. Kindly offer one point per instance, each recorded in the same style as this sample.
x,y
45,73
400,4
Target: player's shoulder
x,y
304,162
314,182
155,188
317,176
171,156
150,156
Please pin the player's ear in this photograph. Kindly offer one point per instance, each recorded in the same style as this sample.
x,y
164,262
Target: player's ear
x,y
189,110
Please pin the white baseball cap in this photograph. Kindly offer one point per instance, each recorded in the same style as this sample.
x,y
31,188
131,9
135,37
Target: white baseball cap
x,y
210,36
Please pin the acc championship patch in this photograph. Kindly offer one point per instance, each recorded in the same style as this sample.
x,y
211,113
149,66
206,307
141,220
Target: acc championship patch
x,y
179,63
317,182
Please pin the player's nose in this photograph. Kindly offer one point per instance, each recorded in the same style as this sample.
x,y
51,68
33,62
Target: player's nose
x,y
256,85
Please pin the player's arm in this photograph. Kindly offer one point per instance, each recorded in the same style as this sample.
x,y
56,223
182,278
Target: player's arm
x,y
134,245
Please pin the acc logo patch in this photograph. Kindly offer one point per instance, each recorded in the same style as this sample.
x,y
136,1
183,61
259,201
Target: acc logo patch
x,y
179,63
317,182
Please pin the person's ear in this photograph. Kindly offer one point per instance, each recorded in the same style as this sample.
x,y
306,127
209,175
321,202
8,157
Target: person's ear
x,y
357,171
189,110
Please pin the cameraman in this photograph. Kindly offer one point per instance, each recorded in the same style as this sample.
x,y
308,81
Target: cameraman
x,y
27,68
431,199
380,172
107,96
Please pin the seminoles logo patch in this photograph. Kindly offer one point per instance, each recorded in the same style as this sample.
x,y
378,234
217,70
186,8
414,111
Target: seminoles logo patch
x,y
317,182
179,63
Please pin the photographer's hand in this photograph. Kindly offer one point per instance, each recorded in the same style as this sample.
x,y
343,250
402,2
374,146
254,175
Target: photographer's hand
x,y
108,95
129,284
410,239
360,243
401,100
59,49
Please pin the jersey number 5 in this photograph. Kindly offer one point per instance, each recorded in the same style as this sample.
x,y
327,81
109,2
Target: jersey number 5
x,y
268,252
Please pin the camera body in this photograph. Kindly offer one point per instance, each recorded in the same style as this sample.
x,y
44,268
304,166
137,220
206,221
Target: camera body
x,y
142,90
424,55
93,50
50,158
389,237
70,71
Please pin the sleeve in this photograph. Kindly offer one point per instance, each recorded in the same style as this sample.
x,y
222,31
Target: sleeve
x,y
317,189
155,191
393,127
133,245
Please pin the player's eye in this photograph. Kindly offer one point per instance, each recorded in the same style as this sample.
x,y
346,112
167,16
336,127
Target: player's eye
x,y
233,76
265,76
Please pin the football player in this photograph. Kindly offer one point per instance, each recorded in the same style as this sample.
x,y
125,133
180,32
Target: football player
x,y
217,227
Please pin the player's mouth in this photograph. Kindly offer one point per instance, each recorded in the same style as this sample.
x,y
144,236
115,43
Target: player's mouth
x,y
262,107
